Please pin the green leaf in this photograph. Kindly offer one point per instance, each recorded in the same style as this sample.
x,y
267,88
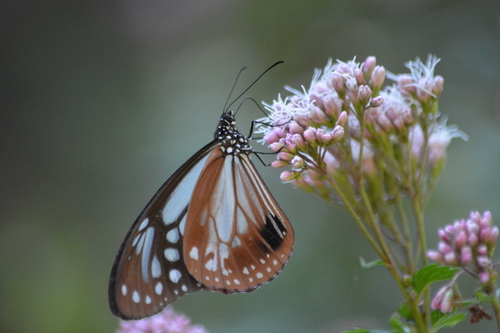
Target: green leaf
x,y
404,311
370,264
483,298
431,274
447,320
396,324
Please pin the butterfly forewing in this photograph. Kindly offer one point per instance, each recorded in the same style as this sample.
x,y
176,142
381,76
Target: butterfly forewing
x,y
237,238
149,271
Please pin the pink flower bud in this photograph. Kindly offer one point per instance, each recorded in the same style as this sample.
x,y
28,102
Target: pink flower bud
x,y
283,156
271,137
326,138
364,94
444,247
450,258
338,133
378,77
443,235
447,304
461,239
360,78
376,101
295,128
407,116
276,146
473,240
484,235
310,135
465,255
437,86
317,115
406,85
342,119
435,255
482,250
338,81
351,84
484,277
279,164
494,236
287,176
332,106
438,298
369,65
483,261
299,142
298,162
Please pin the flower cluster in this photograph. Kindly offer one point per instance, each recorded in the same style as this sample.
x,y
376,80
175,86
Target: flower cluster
x,y
468,245
345,123
167,321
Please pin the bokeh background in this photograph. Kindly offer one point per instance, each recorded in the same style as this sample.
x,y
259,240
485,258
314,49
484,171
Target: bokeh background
x,y
101,101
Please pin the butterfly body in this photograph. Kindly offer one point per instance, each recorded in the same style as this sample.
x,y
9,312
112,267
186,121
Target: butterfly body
x,y
213,225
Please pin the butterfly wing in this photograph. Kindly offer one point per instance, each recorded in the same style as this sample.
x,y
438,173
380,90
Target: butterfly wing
x,y
149,271
237,237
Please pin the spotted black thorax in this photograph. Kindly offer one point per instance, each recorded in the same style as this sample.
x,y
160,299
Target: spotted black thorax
x,y
230,138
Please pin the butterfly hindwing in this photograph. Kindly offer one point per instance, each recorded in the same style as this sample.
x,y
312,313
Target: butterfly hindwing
x,y
149,271
237,238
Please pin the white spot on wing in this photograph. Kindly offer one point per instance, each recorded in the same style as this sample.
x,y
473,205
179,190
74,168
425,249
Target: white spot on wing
x,y
124,290
262,261
148,300
159,288
184,288
245,271
135,297
146,252
259,275
193,254
171,254
143,224
173,236
155,267
174,275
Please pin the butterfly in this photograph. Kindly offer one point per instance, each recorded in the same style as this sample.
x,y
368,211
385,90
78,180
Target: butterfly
x,y
213,225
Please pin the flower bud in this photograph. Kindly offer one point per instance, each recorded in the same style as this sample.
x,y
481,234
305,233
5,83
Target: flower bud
x,y
434,255
342,119
376,101
283,156
364,94
295,128
298,162
360,78
484,277
287,176
465,255
338,82
279,164
378,77
437,87
310,135
369,65
276,146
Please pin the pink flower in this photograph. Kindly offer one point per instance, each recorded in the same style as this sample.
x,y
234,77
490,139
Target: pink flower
x,y
167,321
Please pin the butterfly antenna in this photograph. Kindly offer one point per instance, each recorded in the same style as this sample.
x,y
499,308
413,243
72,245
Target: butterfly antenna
x,y
232,89
250,86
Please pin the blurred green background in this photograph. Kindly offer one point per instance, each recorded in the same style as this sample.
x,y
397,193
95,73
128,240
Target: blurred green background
x,y
102,100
